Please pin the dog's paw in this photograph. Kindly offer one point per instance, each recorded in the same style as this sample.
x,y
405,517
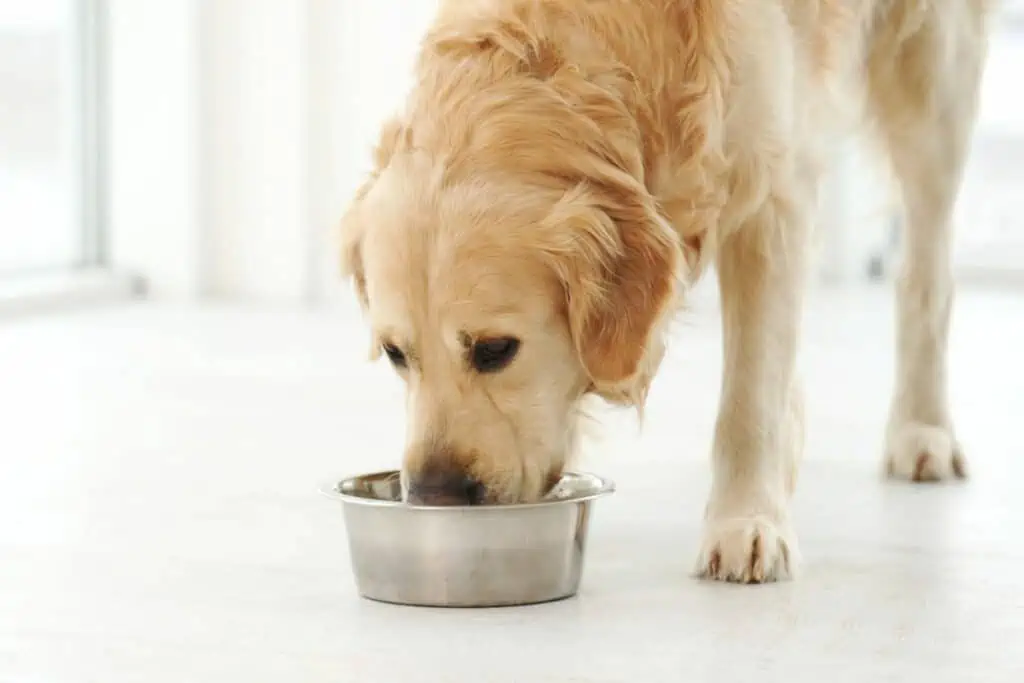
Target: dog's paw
x,y
920,452
747,550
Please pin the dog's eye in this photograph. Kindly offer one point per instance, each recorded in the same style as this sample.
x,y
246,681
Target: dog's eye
x,y
395,355
492,355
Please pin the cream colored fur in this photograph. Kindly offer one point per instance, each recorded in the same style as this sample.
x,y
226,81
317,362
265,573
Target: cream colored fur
x,y
563,170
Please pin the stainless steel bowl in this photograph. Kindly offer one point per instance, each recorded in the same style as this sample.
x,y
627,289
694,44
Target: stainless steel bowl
x,y
472,556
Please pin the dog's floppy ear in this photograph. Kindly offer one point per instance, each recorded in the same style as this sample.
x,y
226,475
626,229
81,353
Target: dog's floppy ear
x,y
353,224
352,252
619,261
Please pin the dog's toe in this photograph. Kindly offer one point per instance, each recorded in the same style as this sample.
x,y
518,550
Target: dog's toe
x,y
924,453
747,550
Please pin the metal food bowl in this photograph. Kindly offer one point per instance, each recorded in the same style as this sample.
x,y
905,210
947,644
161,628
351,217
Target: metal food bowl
x,y
466,556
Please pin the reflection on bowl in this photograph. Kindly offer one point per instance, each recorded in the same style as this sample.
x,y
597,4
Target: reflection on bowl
x,y
466,556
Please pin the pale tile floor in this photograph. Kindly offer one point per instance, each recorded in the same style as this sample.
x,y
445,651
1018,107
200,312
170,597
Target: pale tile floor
x,y
159,519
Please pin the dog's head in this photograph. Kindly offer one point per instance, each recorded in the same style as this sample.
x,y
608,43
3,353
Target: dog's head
x,y
505,279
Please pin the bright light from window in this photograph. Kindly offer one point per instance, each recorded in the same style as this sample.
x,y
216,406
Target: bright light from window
x,y
41,225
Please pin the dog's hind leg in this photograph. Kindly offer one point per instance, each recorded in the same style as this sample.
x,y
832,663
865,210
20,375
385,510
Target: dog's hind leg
x,y
925,64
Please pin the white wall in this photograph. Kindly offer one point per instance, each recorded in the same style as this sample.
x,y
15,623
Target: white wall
x,y
255,94
239,130
152,157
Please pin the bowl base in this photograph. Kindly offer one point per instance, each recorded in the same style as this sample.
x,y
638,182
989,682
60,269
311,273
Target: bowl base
x,y
458,605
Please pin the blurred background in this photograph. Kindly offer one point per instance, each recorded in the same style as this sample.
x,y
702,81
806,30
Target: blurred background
x,y
204,150
200,149
180,367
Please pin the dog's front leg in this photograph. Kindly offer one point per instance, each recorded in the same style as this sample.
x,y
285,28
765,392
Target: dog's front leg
x,y
759,432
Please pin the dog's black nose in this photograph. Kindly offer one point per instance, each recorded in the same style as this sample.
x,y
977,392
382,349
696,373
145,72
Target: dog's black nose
x,y
445,486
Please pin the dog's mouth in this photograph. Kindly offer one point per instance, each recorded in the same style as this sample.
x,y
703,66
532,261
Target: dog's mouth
x,y
476,494
470,492
550,484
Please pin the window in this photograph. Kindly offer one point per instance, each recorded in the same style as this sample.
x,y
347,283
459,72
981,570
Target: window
x,y
990,235
48,205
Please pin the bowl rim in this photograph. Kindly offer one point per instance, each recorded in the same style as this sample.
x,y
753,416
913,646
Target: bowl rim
x,y
331,490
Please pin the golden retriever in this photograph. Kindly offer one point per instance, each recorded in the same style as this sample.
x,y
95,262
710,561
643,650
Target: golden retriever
x,y
563,170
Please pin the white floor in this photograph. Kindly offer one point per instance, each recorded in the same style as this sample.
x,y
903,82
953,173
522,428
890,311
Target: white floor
x,y
159,520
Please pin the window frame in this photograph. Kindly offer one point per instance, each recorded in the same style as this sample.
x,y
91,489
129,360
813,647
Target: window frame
x,y
90,277
89,99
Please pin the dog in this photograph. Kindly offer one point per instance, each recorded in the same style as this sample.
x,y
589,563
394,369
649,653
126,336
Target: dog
x,y
564,170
